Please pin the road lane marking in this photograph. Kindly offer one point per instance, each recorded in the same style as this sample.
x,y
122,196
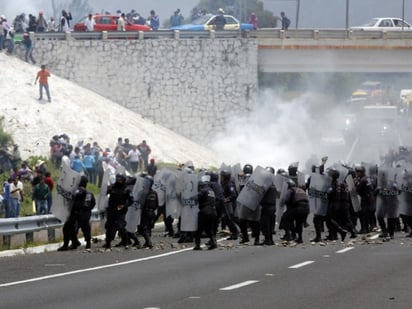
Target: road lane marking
x,y
194,297
238,285
301,264
79,271
345,250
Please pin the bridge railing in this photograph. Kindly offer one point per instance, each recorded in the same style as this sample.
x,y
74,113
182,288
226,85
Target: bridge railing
x,y
265,33
30,224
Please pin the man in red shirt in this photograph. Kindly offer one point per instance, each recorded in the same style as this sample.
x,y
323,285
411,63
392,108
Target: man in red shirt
x,y
50,182
43,76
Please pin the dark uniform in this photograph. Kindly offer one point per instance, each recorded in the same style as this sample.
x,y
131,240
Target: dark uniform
x,y
297,210
365,187
268,215
120,198
207,216
148,217
229,195
83,203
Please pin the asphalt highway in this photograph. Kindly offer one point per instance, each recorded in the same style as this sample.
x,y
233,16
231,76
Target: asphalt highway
x,y
360,273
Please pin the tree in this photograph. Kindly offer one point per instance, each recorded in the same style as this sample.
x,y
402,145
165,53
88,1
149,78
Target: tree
x,y
241,9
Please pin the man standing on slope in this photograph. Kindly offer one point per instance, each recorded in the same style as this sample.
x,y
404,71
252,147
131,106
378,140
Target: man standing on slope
x,y
43,76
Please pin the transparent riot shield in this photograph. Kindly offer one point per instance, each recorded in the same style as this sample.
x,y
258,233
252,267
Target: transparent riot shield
x,y
159,185
66,185
387,201
173,191
140,190
236,171
255,188
405,198
318,197
280,182
354,197
190,207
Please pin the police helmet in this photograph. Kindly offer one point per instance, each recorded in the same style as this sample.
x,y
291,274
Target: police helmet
x,y
120,178
281,171
204,180
247,169
83,181
150,178
360,169
214,177
333,173
270,169
291,183
225,173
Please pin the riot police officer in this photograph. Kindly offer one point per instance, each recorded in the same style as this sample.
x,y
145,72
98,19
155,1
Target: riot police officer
x,y
297,210
218,190
335,192
230,195
366,190
207,216
83,203
268,214
148,215
120,197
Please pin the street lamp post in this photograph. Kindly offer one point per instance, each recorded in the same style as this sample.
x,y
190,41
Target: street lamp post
x,y
297,13
347,15
403,14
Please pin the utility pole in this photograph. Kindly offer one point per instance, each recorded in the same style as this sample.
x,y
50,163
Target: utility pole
x,y
347,15
297,13
403,14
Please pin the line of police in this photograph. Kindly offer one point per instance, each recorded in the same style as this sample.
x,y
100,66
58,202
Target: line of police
x,y
243,199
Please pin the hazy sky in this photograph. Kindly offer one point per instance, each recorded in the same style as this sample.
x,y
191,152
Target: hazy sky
x,y
313,13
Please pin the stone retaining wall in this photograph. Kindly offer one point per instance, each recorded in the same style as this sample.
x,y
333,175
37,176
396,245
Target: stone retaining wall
x,y
190,86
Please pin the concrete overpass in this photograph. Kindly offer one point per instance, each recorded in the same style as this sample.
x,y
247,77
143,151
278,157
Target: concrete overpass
x,y
335,51
296,50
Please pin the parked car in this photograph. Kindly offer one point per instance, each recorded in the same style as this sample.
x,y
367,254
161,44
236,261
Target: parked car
x,y
385,23
207,22
109,23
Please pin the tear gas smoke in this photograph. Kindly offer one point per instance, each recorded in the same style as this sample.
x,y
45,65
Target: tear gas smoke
x,y
278,132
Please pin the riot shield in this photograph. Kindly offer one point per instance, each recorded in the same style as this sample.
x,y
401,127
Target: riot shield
x,y
173,191
405,199
354,197
301,179
190,207
255,188
66,185
236,171
280,182
109,176
318,198
387,202
140,190
159,185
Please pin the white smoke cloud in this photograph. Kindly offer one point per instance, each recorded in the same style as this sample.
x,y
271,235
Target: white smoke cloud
x,y
14,8
278,132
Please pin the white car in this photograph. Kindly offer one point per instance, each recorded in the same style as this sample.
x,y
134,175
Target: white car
x,y
385,23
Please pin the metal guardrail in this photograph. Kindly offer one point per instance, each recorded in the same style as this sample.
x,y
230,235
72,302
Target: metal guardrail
x,y
265,33
12,226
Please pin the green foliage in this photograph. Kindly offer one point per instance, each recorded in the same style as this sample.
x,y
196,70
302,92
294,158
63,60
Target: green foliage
x,y
5,138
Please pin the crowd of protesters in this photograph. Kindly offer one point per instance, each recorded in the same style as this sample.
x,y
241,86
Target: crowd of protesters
x,y
35,182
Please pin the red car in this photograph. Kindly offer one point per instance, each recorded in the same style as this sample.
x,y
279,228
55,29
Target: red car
x,y
109,23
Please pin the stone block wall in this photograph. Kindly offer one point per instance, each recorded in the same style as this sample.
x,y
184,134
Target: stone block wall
x,y
190,86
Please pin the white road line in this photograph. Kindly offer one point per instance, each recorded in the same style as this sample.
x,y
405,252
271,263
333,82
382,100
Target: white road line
x,y
301,264
93,268
239,285
345,250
